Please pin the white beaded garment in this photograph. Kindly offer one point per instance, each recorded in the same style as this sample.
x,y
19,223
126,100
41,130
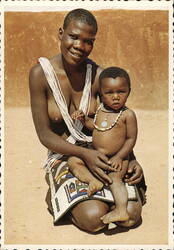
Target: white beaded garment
x,y
73,127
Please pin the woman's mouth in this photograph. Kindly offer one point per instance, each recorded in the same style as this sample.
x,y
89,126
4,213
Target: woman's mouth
x,y
76,54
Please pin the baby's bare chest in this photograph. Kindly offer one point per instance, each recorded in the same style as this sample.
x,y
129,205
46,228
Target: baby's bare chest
x,y
111,133
110,123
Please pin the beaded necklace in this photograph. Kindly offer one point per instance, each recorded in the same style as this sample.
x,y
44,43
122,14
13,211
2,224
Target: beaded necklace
x,y
104,123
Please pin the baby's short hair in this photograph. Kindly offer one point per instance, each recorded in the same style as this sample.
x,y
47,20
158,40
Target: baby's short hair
x,y
81,15
114,72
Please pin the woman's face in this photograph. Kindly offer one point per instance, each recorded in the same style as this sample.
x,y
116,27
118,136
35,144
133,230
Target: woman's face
x,y
76,42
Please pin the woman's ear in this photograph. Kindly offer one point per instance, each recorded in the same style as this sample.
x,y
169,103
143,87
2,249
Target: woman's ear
x,y
60,34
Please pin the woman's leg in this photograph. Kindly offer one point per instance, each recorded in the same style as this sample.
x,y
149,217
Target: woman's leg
x,y
86,215
78,168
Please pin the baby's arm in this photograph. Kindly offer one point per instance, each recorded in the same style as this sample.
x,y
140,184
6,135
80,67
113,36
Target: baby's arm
x,y
131,136
89,123
86,120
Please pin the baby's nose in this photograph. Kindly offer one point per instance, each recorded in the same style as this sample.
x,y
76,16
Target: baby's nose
x,y
115,96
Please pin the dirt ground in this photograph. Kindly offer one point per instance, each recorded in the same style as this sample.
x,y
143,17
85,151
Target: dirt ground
x,y
27,220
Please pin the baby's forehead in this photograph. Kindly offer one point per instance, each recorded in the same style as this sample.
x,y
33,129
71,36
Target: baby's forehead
x,y
114,80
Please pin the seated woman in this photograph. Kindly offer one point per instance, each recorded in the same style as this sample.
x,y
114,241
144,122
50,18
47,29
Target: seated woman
x,y
59,86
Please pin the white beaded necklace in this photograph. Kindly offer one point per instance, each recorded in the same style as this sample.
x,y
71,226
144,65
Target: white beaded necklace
x,y
104,123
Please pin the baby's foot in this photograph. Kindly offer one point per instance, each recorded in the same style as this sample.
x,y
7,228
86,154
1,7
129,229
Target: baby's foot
x,y
94,186
115,215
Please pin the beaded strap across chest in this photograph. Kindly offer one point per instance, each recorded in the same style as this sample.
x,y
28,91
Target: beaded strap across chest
x,y
73,127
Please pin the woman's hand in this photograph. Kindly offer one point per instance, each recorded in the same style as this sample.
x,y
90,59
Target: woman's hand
x,y
97,163
134,173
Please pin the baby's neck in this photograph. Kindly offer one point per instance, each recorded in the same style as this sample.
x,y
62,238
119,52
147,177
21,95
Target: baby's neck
x,y
107,109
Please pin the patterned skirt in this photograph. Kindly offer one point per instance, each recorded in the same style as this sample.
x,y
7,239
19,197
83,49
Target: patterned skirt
x,y
65,190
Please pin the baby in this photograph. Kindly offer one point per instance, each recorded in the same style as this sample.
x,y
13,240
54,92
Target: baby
x,y
114,134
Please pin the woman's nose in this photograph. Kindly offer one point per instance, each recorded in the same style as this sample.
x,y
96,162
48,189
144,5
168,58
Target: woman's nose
x,y
78,45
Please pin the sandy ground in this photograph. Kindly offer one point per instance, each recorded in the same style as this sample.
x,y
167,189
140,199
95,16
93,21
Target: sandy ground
x,y
27,220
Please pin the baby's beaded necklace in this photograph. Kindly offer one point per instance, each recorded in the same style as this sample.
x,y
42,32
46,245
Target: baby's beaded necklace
x,y
104,123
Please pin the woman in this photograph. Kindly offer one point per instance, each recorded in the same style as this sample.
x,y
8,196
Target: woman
x,y
72,72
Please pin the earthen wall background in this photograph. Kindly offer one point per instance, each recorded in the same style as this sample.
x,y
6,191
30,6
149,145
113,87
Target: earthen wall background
x,y
136,40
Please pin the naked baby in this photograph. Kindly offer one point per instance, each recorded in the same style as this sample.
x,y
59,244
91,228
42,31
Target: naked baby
x,y
114,134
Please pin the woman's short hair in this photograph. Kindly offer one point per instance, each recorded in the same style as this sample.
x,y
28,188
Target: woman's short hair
x,y
81,15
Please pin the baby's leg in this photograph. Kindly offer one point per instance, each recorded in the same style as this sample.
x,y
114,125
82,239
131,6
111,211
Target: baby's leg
x,y
79,170
119,192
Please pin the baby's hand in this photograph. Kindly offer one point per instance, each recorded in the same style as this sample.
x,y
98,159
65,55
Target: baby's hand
x,y
116,162
78,115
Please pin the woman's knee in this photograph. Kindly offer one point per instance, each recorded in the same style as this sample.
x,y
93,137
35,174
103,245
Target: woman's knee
x,y
86,215
134,209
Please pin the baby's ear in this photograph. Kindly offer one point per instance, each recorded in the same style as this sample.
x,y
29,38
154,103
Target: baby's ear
x,y
60,34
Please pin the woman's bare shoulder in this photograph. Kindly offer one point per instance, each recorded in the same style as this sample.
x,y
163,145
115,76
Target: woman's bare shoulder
x,y
95,66
99,70
96,72
36,76
36,70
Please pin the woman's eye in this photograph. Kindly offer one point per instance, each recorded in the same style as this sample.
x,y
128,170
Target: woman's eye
x,y
73,37
89,42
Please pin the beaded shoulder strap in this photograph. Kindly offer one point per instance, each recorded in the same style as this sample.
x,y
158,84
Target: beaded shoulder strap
x,y
73,127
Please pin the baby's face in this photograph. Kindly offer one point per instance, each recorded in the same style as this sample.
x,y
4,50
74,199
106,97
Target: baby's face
x,y
114,92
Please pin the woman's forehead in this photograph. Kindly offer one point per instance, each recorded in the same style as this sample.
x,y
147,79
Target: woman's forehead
x,y
78,25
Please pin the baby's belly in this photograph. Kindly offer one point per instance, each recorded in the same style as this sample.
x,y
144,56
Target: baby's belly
x,y
108,142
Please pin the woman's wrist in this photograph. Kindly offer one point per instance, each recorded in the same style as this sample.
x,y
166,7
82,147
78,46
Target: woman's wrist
x,y
82,152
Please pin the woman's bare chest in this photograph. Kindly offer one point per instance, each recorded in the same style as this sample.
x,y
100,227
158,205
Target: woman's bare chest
x,y
72,101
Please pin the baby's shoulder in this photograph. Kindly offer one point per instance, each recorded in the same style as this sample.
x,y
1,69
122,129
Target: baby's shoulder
x,y
128,113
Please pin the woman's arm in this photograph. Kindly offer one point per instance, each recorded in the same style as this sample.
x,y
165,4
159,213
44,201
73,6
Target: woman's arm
x,y
134,173
47,137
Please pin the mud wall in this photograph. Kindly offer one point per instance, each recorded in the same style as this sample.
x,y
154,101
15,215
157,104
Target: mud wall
x,y
136,40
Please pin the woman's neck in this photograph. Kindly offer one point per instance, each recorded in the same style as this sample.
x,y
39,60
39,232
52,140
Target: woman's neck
x,y
73,68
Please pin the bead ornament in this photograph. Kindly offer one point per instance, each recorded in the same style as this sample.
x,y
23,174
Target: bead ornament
x,y
104,123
